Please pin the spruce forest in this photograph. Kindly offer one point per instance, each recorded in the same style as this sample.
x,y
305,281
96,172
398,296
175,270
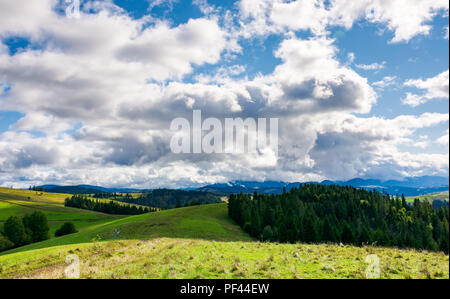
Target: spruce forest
x,y
316,213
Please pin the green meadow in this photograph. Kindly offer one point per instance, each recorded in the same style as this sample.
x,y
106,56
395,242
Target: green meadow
x,y
15,202
192,242
201,259
430,197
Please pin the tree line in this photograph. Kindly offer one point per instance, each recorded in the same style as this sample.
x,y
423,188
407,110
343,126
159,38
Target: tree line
x,y
111,207
113,195
19,231
316,213
31,228
34,188
169,199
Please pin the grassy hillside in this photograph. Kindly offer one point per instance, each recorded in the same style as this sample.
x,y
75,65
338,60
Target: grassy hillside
x,y
430,197
184,258
34,196
15,202
202,242
208,222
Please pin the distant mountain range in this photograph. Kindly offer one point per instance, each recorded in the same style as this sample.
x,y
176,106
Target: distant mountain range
x,y
409,186
412,186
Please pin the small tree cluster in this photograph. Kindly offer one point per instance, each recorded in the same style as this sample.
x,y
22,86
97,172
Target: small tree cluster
x,y
35,188
66,229
19,231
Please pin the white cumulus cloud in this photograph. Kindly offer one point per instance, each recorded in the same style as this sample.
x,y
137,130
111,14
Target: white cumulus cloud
x,y
435,88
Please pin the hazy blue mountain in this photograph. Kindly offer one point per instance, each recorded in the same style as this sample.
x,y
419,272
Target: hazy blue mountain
x,y
409,186
83,189
412,186
424,181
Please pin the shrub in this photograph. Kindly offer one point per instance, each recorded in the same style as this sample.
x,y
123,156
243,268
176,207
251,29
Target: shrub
x,y
5,244
15,231
66,229
37,224
267,233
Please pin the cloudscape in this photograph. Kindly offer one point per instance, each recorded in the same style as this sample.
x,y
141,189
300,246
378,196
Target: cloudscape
x,y
359,88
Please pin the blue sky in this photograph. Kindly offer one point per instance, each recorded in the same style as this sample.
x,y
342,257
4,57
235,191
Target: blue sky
x,y
89,100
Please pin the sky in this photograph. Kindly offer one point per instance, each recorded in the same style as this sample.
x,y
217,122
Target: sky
x,y
360,88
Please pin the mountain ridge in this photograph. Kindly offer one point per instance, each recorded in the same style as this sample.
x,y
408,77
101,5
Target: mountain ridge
x,y
410,186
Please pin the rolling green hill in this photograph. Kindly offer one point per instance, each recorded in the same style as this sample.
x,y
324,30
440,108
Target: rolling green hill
x,y
207,222
202,242
14,202
187,258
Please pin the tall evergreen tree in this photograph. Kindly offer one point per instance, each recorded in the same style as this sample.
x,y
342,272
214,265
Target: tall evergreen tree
x,y
318,213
